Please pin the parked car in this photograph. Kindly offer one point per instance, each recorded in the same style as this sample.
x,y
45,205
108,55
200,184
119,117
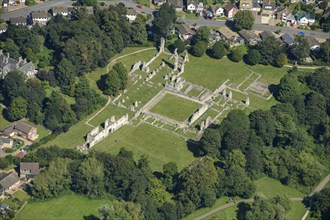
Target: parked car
x,y
139,6
13,3
301,33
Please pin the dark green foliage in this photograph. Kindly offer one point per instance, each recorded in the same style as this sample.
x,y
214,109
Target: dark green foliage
x,y
17,109
179,45
320,204
115,80
211,142
65,75
10,47
138,30
13,85
164,21
199,49
269,49
300,49
243,20
288,89
315,109
238,53
220,49
203,34
88,2
263,122
253,57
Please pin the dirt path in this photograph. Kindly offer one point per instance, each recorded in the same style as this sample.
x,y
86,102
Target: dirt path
x,y
91,118
307,67
319,187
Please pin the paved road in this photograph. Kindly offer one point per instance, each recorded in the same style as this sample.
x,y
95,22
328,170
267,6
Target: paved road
x,y
319,187
47,5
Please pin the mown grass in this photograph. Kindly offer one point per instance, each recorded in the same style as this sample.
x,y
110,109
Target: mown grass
x,y
175,107
64,207
160,146
3,122
297,210
21,195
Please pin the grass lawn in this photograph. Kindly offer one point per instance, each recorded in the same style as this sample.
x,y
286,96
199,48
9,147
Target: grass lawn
x,y
160,146
271,187
211,73
21,195
297,210
3,122
228,213
175,107
64,207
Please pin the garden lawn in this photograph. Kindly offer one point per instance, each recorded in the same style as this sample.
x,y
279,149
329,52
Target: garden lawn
x,y
160,146
64,207
21,195
174,107
297,210
211,73
3,122
271,188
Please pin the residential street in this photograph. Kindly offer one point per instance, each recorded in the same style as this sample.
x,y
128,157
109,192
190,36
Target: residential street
x,y
48,5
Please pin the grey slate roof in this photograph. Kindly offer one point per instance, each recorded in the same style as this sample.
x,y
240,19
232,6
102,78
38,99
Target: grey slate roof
x,y
8,180
23,127
32,167
176,3
18,20
248,35
266,34
286,38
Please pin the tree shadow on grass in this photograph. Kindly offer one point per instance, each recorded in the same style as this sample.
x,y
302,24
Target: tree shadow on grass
x,y
91,217
243,208
194,147
100,83
273,89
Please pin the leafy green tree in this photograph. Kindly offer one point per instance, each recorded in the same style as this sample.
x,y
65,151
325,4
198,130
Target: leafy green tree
x,y
122,75
263,123
315,108
170,173
299,50
169,211
235,138
13,85
238,53
281,60
219,49
158,192
65,75
236,158
320,204
121,210
244,20
54,180
179,45
211,142
164,21
288,88
203,34
10,47
88,2
253,57
112,83
28,53
17,109
269,49
199,49
138,30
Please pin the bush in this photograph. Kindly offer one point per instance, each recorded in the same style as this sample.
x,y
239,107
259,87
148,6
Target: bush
x,y
238,53
253,57
198,49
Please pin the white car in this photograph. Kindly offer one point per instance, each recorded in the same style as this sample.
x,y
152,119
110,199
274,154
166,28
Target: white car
x,y
13,4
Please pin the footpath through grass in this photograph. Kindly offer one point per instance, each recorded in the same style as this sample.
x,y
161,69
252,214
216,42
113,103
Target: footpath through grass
x,y
160,146
64,207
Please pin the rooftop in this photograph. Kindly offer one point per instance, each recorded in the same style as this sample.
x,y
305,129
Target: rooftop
x,y
7,180
184,29
33,167
225,31
18,20
247,35
39,14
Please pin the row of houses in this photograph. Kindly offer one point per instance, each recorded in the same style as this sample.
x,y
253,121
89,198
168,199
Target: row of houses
x,y
10,182
244,36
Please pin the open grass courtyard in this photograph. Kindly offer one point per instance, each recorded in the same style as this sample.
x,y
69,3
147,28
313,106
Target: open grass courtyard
x,y
160,146
174,107
64,207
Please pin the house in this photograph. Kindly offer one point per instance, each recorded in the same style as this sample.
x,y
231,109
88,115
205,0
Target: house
x,y
266,34
305,19
3,28
29,170
177,4
88,9
313,43
249,37
185,32
8,181
159,2
200,7
284,14
256,5
8,64
245,5
229,35
131,14
268,6
39,17
18,21
64,11
287,39
6,142
21,129
217,10
230,10
192,5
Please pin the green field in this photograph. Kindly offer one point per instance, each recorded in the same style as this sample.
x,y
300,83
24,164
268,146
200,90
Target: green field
x,y
64,207
160,146
297,210
175,107
21,195
228,213
271,187
211,73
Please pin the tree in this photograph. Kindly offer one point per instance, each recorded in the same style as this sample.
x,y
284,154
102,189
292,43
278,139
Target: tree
x,y
288,89
65,75
315,109
253,57
238,53
122,75
320,203
138,30
88,2
112,83
13,85
281,60
158,192
236,158
90,178
164,21
17,109
198,49
263,123
211,142
170,173
299,50
10,47
269,49
219,49
121,210
203,34
179,45
244,20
